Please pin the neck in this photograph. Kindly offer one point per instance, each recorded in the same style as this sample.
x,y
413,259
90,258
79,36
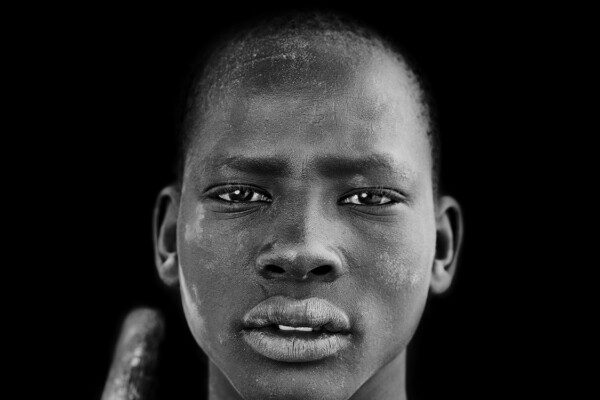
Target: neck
x,y
387,384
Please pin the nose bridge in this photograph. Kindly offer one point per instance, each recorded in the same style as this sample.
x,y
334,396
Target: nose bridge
x,y
301,245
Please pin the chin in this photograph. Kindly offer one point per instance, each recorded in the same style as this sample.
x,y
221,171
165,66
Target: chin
x,y
290,384
258,378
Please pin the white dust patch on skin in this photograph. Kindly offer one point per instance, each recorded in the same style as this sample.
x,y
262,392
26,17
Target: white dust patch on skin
x,y
242,239
191,308
193,231
397,271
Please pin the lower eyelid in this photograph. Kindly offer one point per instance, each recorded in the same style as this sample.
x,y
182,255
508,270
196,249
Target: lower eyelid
x,y
363,206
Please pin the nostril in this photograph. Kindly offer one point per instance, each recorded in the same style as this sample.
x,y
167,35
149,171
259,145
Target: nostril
x,y
274,269
322,270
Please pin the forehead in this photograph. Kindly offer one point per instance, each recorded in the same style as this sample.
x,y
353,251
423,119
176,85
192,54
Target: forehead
x,y
305,100
297,62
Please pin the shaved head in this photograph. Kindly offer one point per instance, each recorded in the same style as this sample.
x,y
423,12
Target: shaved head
x,y
314,52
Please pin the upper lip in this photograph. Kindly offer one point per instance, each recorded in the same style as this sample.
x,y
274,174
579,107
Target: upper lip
x,y
312,312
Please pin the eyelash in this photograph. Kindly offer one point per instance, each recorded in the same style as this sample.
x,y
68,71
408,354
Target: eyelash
x,y
390,194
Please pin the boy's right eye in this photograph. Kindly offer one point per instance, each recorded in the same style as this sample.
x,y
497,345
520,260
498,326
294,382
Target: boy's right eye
x,y
240,194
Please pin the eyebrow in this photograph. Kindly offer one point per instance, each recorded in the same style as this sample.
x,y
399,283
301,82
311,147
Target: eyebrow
x,y
335,166
254,165
330,166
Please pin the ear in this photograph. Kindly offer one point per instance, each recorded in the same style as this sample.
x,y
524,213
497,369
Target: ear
x,y
164,229
449,228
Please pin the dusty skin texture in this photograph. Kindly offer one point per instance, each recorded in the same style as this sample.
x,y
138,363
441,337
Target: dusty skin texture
x,y
380,255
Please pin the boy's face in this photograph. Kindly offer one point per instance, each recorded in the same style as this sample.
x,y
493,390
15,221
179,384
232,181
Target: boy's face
x,y
316,188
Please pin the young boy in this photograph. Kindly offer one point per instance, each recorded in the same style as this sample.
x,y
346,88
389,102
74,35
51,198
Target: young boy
x,y
307,229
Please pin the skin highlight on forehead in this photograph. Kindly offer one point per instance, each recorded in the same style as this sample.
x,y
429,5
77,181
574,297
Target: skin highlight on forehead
x,y
318,66
287,57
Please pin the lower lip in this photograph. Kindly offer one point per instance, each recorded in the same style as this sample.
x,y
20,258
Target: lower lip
x,y
297,347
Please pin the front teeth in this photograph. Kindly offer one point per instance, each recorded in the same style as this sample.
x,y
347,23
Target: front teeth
x,y
296,328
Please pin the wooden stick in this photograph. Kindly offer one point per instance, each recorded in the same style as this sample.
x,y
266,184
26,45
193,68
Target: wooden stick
x,y
131,375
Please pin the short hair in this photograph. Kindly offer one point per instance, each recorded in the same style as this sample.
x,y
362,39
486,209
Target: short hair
x,y
210,72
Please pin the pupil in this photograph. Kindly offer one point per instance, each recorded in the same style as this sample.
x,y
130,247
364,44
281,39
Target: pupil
x,y
240,195
370,198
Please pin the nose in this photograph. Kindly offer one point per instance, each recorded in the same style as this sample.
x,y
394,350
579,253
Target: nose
x,y
312,263
301,248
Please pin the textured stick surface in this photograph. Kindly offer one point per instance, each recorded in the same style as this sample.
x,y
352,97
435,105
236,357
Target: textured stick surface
x,y
136,355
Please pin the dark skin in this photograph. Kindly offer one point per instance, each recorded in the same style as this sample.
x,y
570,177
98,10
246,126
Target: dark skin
x,y
306,176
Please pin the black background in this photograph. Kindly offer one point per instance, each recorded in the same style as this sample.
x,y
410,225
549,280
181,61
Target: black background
x,y
102,86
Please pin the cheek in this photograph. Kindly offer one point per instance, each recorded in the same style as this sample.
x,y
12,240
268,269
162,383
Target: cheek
x,y
191,308
400,288
196,251
402,260
193,228
398,272
213,245
215,268
396,279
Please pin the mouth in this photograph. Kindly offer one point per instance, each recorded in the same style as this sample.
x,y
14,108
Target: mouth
x,y
289,330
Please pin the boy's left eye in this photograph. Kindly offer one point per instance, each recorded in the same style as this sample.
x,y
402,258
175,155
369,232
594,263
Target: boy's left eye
x,y
368,198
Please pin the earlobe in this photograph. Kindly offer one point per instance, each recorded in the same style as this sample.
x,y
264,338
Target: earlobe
x,y
165,235
449,233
